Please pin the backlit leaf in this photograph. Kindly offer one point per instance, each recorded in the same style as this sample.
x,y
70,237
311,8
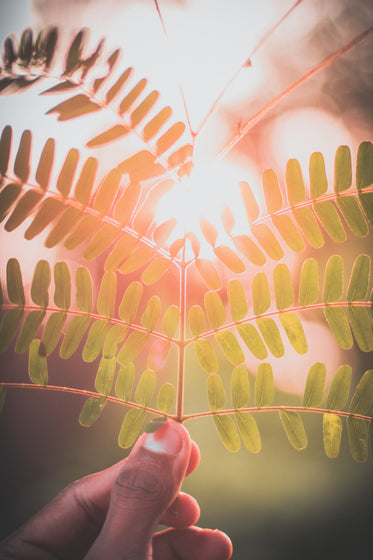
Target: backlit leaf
x,y
47,212
230,347
107,295
332,433
362,399
145,387
309,283
91,411
248,198
264,385
62,292
166,398
116,335
74,107
143,109
253,341
333,283
248,431
130,302
206,355
271,335
124,381
338,323
120,251
364,165
137,259
170,137
240,388
65,223
131,97
359,281
106,192
29,330
95,340
109,135
156,123
158,354
366,201
83,289
261,296
227,219
45,164
84,184
163,231
209,274
214,309
283,289
294,331
318,180
209,231
309,226
294,428
25,205
171,321
229,258
329,217
8,327
288,231
342,169
126,204
66,176
237,299
40,284
118,85
105,375
132,347
131,426
271,190
101,240
339,389
155,270
8,195
361,327
227,432
314,390
248,249
52,331
294,182
357,432
151,314
37,364
197,321
22,161
73,336
353,215
215,392
14,283
268,241
5,144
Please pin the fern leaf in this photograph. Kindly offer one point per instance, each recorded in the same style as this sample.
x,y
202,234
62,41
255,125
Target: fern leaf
x,y
62,281
121,250
113,133
156,123
206,355
83,282
307,223
231,347
151,314
361,327
118,85
131,427
170,137
237,300
66,176
105,375
85,182
116,335
132,347
359,280
144,108
214,309
171,320
364,165
209,274
5,147
29,330
37,363
271,336
45,164
48,210
249,200
131,97
106,192
271,191
8,327
339,389
197,320
357,432
260,292
249,249
318,180
268,241
91,411
22,161
124,381
137,259
3,392
248,430
264,385
333,282
314,389
309,283
96,338
74,107
329,217
342,169
240,388
253,340
294,331
85,228
227,432
362,399
73,336
23,209
130,302
166,398
332,434
336,318
8,196
284,293
145,388
65,223
294,429
107,295
52,331
155,270
288,231
215,392
14,283
230,259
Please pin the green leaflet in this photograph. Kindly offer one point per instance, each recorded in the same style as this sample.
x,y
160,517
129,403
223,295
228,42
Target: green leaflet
x,y
214,309
132,347
229,258
143,109
197,321
357,432
253,341
240,388
115,89
109,135
65,178
83,289
329,217
215,392
309,226
366,201
342,169
126,204
73,336
339,389
261,296
8,195
288,231
155,270
23,209
338,323
22,161
107,295
170,137
14,283
237,300
74,107
154,425
294,428
271,335
247,247
105,375
101,241
95,340
137,259
116,335
37,363
170,321
5,145
3,392
314,390
209,274
106,192
166,398
248,431
91,411
130,302
364,165
29,329
318,180
271,190
283,289
268,241
333,283
120,252
332,433
62,292
359,280
46,213
294,331
131,426
361,327
227,432
309,283
85,182
40,284
206,355
353,215
158,354
362,399
52,331
146,387
65,223
124,381
294,182
151,314
264,385
8,327
86,227
230,347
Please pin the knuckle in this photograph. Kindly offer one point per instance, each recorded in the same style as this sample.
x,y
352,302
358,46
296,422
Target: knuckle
x,y
138,484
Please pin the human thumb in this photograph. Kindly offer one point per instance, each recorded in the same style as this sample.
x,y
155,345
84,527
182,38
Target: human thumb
x,y
144,488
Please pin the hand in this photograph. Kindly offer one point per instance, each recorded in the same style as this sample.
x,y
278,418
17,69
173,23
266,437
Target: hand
x,y
112,515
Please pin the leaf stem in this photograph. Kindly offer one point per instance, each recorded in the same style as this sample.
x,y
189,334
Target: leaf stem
x,y
181,357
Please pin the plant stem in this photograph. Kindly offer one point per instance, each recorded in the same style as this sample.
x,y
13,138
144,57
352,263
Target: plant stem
x,y
181,357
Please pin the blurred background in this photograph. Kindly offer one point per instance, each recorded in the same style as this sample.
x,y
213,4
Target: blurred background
x,y
280,503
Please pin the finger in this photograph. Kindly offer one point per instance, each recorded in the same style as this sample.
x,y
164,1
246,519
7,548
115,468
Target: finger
x,y
194,458
191,544
147,483
183,512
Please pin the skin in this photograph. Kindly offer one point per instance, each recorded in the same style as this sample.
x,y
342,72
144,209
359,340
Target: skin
x,y
113,514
